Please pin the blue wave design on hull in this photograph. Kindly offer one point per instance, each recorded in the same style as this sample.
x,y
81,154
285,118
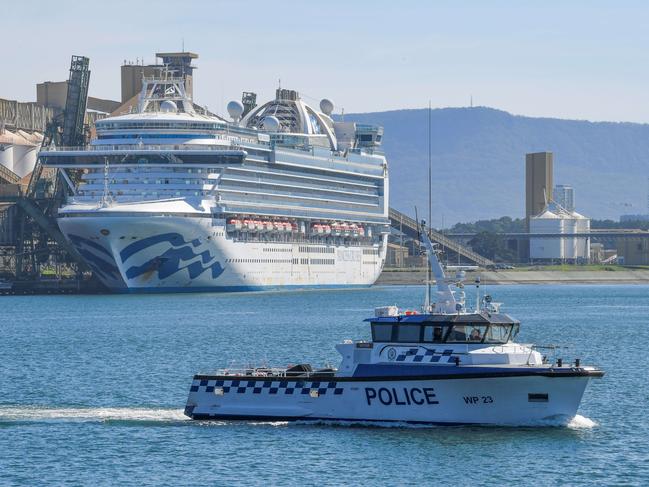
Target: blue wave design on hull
x,y
173,238
169,262
105,269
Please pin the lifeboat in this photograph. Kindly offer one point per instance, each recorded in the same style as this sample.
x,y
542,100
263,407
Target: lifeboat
x,y
361,231
278,226
259,225
326,229
336,229
268,226
353,230
293,226
316,229
230,225
345,229
287,226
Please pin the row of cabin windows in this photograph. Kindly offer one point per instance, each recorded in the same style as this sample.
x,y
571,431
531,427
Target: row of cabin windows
x,y
262,261
428,333
135,192
318,250
116,169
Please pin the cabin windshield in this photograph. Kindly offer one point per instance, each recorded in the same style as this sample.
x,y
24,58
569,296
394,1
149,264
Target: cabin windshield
x,y
467,333
472,333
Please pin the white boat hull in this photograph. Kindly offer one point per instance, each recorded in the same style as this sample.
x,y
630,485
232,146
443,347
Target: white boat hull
x,y
496,400
176,254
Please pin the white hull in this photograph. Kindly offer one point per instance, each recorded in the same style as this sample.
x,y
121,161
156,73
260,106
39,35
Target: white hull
x,y
496,400
173,253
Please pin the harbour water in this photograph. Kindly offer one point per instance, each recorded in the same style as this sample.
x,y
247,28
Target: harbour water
x,y
92,390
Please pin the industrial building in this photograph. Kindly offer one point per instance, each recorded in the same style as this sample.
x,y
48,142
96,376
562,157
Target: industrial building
x,y
633,251
551,211
538,182
564,196
572,248
22,126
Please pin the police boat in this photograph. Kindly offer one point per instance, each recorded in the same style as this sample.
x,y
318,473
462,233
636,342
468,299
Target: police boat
x,y
443,365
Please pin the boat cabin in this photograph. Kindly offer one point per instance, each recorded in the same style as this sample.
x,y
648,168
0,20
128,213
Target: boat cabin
x,y
462,328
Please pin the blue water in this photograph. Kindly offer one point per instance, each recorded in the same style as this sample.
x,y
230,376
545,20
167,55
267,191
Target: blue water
x,y
92,390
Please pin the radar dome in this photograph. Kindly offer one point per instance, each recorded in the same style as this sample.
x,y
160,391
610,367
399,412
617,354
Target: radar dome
x,y
235,109
168,106
327,106
271,124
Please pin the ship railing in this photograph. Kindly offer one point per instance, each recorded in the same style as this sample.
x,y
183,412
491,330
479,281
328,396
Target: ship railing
x,y
143,147
274,372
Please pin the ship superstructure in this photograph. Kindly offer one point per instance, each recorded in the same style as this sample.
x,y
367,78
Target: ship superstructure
x,y
173,198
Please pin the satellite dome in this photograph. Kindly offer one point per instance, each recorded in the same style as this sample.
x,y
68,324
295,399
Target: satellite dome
x,y
168,106
235,109
327,106
271,124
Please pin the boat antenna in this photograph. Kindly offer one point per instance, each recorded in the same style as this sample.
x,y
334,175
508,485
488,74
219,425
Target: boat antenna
x,y
430,198
430,169
477,294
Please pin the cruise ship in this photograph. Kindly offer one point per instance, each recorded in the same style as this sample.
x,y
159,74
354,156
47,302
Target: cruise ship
x,y
171,198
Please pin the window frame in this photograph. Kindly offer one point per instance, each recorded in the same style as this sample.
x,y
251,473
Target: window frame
x,y
402,326
392,332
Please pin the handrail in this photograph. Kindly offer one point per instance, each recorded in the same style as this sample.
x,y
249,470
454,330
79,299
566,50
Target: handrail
x,y
273,372
144,147
8,175
399,218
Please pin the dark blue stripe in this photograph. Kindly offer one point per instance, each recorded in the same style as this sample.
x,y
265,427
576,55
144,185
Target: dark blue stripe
x,y
389,370
174,239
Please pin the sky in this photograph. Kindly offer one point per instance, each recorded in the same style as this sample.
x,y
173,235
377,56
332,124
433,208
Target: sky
x,y
577,60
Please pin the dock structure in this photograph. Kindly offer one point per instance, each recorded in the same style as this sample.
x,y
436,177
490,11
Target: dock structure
x,y
408,226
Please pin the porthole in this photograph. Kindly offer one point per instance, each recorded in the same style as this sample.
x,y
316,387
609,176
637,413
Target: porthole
x,y
104,232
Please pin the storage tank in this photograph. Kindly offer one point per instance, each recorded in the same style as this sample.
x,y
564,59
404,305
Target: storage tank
x,y
546,248
569,243
19,151
582,244
8,141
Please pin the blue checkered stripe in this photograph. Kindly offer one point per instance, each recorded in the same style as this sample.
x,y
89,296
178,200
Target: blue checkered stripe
x,y
429,355
244,386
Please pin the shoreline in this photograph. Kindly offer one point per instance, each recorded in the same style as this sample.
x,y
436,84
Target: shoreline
x,y
626,276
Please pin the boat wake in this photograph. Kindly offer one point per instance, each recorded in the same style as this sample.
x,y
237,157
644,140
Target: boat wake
x,y
576,422
581,422
20,413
